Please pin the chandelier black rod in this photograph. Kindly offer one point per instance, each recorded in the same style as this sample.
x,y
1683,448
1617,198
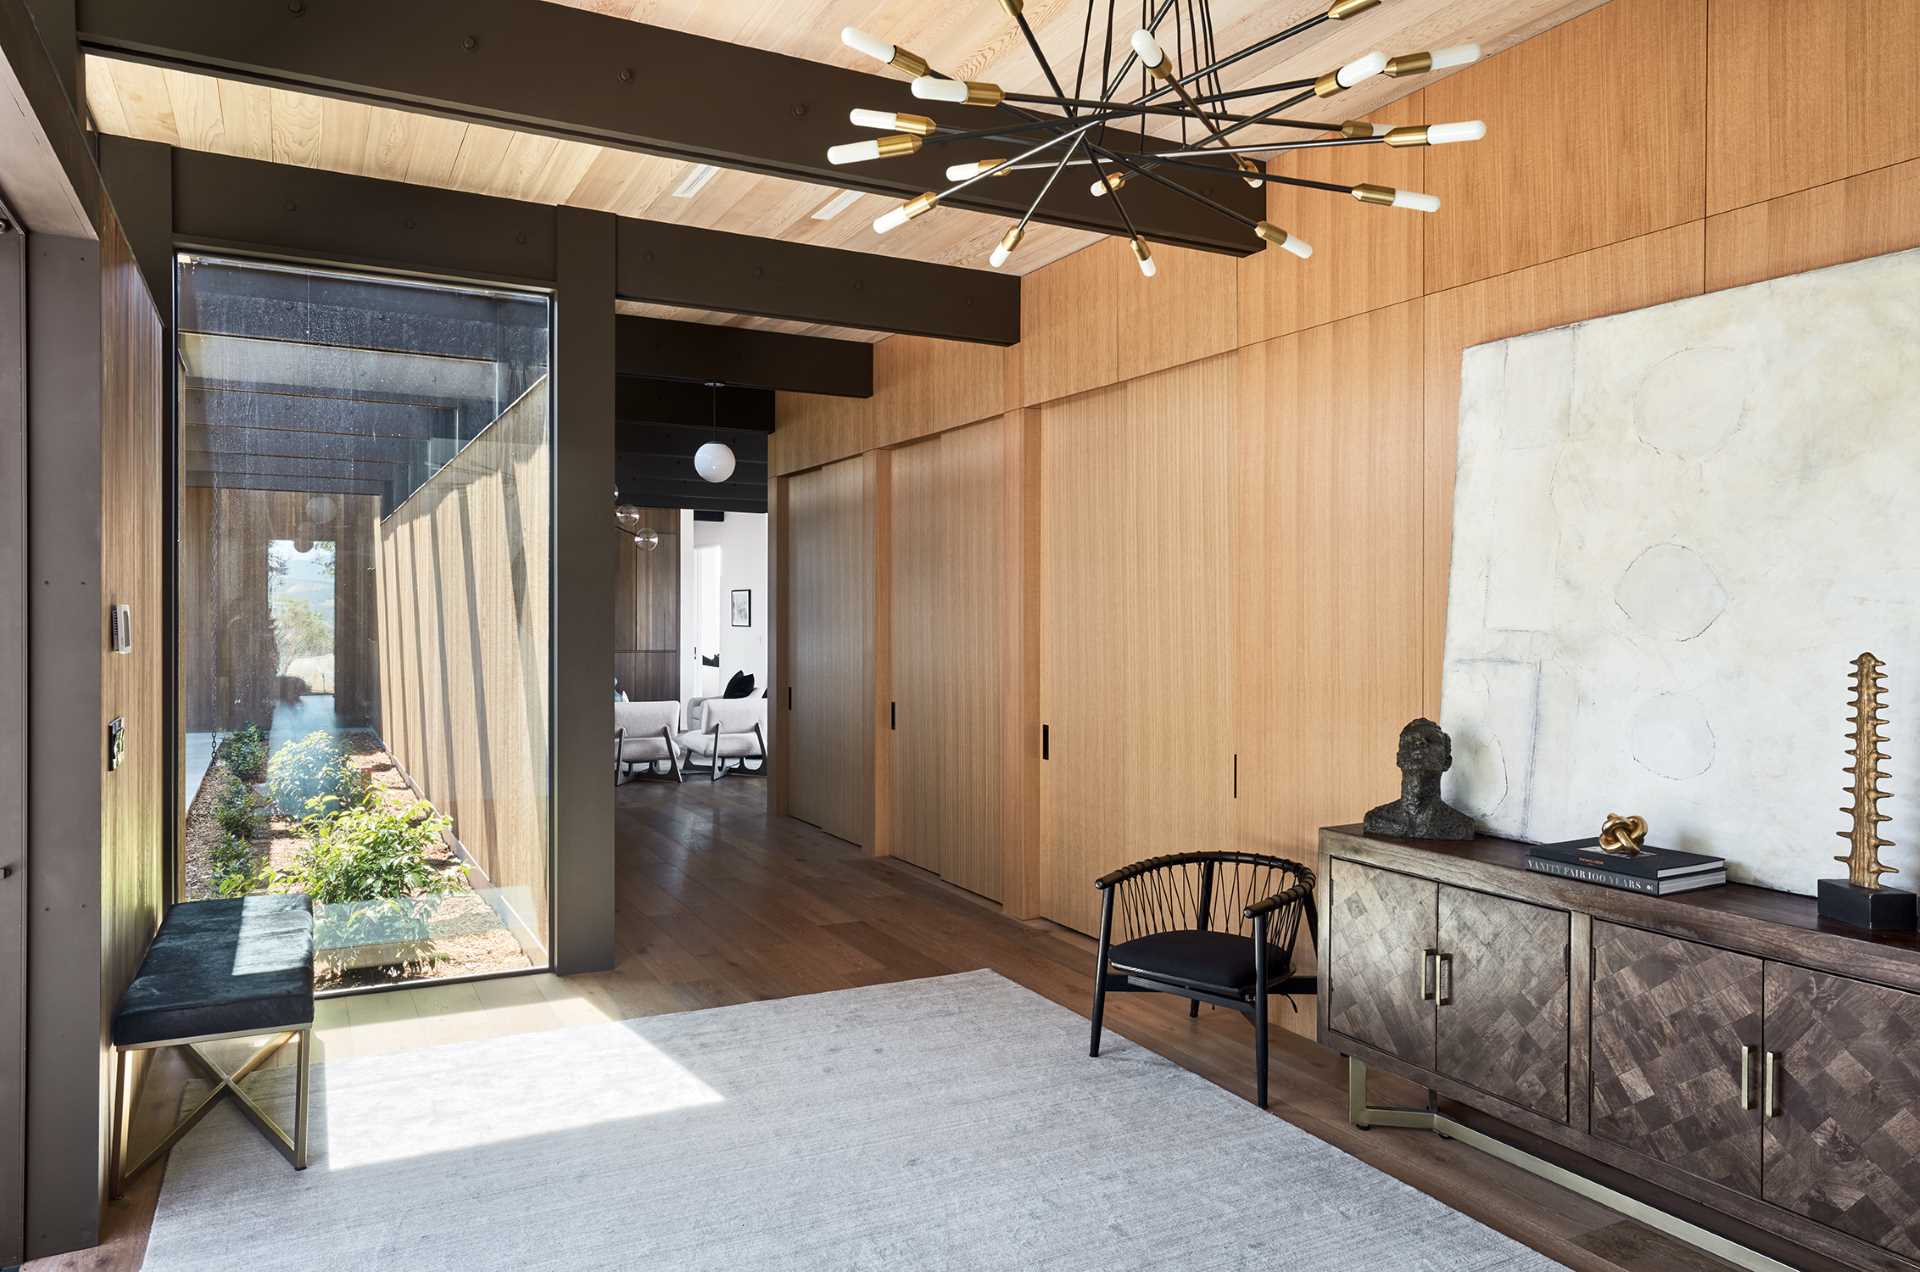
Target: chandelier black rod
x,y
1004,132
1175,186
1250,148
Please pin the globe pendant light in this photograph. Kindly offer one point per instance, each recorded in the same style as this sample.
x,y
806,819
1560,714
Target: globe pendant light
x,y
714,461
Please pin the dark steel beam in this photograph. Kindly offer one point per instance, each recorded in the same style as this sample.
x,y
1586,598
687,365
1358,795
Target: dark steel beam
x,y
707,354
678,264
591,77
248,206
638,400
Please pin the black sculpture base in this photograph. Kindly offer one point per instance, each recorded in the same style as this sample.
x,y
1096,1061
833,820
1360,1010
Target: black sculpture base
x,y
1876,909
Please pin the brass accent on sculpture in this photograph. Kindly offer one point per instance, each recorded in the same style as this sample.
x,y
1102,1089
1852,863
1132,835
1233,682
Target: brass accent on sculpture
x,y
1623,836
1863,860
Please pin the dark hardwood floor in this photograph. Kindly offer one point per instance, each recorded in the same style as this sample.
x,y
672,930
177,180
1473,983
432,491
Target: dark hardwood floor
x,y
720,903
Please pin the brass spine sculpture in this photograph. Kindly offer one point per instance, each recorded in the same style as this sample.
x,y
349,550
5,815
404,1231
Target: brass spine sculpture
x,y
1863,862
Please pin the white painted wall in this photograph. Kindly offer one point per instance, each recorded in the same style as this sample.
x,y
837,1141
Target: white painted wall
x,y
742,540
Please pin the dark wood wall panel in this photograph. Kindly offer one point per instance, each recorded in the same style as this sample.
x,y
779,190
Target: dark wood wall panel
x,y
646,610
133,828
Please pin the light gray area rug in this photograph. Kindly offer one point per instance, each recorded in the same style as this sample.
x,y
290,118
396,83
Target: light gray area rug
x,y
953,1123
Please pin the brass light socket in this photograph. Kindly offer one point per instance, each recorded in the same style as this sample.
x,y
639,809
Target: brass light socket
x,y
979,94
1355,129
1409,64
918,125
1256,175
909,63
1011,239
1379,194
1271,233
1115,180
1013,8
1407,135
898,144
1139,249
920,204
1348,8
1329,84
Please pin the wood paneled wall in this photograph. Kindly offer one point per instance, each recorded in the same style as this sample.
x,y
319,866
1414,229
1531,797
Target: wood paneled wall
x,y
133,829
646,611
463,582
827,661
1269,542
227,651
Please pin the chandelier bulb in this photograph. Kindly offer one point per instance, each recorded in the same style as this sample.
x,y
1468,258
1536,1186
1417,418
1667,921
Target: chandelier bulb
x,y
931,88
1361,69
889,121
903,60
1283,240
897,217
1151,56
974,168
882,148
1140,253
1004,249
1112,181
1466,130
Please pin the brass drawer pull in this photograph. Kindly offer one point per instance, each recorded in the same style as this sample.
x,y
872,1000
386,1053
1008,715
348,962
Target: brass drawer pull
x,y
1443,978
1427,958
1747,1055
1770,1086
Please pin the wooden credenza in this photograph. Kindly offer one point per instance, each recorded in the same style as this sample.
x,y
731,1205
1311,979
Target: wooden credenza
x,y
1724,1044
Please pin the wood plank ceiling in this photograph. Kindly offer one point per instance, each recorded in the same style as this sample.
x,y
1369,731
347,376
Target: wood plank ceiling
x,y
969,38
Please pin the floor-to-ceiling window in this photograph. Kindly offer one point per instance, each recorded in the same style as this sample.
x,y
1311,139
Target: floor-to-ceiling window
x,y
364,611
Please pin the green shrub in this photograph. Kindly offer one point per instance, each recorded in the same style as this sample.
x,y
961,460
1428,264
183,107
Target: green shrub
x,y
314,768
234,810
245,753
369,851
233,870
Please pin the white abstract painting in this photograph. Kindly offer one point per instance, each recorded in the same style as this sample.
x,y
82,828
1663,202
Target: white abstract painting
x,y
1673,530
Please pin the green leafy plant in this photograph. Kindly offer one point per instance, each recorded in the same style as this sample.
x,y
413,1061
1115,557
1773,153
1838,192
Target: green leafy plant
x,y
234,874
315,768
369,851
235,810
245,753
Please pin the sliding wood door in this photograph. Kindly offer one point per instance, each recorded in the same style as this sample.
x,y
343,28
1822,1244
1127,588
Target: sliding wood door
x,y
1134,628
949,698
829,646
646,611
916,594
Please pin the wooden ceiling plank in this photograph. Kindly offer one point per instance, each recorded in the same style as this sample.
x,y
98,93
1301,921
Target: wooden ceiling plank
x,y
613,81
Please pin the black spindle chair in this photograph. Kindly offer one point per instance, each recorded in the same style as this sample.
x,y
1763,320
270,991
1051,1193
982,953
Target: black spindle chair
x,y
1211,927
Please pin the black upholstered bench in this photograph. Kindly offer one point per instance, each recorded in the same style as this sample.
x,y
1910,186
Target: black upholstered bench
x,y
219,970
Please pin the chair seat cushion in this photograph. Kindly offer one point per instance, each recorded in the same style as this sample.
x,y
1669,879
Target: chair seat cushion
x,y
653,748
732,745
1207,960
221,967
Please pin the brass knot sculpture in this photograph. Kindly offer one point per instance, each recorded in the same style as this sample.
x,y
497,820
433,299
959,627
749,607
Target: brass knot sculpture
x,y
1623,836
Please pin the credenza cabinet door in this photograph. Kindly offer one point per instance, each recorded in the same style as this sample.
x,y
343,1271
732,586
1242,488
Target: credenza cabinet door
x,y
1842,1130
1382,932
1501,993
1670,1076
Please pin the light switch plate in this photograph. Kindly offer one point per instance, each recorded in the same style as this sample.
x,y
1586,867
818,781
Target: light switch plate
x,y
120,629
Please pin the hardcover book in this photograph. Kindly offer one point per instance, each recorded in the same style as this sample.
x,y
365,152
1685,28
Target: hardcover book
x,y
1656,870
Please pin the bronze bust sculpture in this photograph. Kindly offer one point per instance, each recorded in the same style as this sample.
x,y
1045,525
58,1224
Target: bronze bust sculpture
x,y
1425,753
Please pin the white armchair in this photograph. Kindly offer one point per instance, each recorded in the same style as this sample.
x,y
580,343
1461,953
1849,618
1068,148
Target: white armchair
x,y
646,733
727,733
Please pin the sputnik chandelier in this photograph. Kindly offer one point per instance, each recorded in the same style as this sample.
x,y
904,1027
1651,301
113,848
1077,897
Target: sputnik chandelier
x,y
1061,130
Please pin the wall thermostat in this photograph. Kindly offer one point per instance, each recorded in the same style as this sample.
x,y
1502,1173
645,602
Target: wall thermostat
x,y
120,629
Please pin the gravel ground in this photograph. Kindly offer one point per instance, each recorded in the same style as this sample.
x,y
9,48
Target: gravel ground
x,y
465,936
